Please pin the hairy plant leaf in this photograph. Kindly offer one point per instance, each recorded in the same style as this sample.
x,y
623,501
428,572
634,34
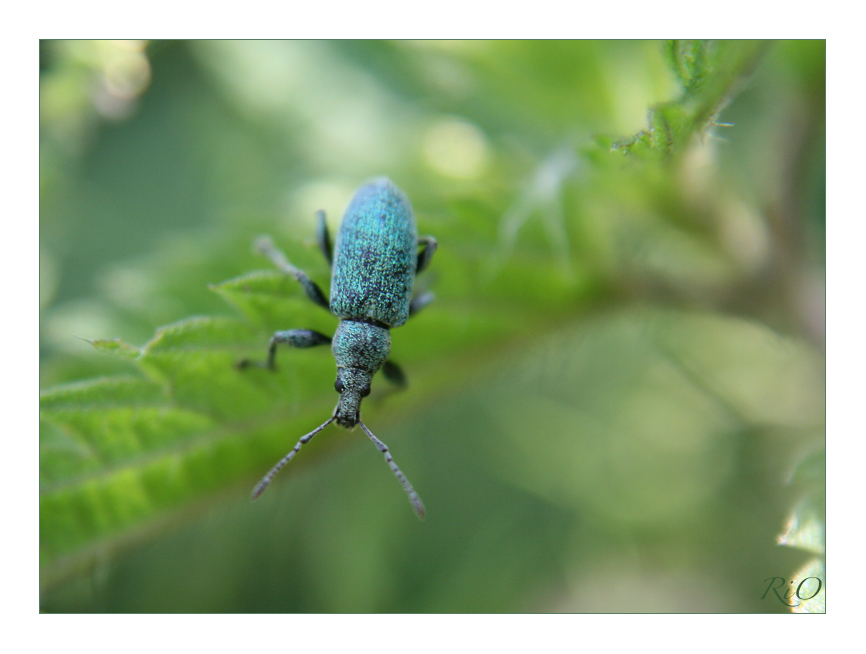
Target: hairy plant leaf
x,y
711,74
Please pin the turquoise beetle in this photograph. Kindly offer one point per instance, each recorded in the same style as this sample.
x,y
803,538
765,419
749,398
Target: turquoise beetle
x,y
374,262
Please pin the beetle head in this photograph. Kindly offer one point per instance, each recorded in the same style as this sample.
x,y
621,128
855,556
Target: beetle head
x,y
360,349
352,384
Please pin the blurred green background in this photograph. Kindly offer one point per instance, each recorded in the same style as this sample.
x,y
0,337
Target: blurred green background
x,y
615,404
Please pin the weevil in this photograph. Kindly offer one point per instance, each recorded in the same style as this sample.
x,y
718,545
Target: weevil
x,y
374,261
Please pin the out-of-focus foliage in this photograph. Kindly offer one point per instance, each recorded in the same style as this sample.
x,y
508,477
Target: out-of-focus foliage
x,y
622,368
805,531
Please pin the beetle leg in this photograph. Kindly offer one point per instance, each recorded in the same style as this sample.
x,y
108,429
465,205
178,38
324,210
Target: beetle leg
x,y
266,246
394,374
420,302
430,244
323,238
300,338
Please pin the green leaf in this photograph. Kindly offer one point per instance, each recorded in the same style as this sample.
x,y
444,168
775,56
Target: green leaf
x,y
110,458
254,294
118,452
711,74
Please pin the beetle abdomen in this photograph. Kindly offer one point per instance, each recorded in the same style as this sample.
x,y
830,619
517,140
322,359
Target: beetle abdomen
x,y
375,256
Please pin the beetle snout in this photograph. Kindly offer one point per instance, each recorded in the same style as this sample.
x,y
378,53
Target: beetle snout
x,y
348,409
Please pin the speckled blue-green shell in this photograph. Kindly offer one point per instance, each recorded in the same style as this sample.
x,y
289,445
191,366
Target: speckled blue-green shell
x,y
375,256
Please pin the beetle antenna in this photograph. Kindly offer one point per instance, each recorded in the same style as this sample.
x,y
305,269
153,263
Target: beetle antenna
x,y
263,484
417,504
